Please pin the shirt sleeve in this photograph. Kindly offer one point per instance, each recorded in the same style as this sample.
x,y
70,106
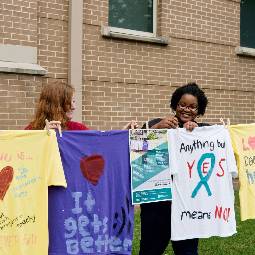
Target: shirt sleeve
x,y
231,161
28,127
151,123
56,174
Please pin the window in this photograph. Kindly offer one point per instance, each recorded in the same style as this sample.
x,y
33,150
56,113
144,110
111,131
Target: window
x,y
136,17
247,21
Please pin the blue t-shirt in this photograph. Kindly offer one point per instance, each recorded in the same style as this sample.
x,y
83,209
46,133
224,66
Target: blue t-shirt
x,y
94,214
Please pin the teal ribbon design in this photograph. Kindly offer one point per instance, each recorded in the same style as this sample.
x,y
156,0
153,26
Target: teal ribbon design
x,y
204,179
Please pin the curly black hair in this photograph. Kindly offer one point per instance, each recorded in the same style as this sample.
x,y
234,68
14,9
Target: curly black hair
x,y
191,89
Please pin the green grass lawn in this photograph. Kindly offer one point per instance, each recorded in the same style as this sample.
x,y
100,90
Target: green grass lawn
x,y
242,243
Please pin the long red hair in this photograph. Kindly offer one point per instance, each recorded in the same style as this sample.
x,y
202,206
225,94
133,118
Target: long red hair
x,y
54,102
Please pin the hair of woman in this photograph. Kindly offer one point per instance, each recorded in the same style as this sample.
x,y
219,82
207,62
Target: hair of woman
x,y
191,89
54,102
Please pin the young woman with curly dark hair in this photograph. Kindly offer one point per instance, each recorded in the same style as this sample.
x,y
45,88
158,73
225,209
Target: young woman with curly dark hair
x,y
188,102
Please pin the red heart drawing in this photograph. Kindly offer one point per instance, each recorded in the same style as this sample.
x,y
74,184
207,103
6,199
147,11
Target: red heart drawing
x,y
92,167
6,176
251,142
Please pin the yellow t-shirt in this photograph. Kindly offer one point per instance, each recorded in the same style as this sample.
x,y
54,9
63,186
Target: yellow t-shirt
x,y
243,141
29,163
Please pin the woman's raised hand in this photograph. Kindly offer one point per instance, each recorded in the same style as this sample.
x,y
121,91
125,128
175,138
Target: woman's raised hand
x,y
190,125
168,122
131,125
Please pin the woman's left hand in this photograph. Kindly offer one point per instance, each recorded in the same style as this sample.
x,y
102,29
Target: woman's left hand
x,y
131,125
190,125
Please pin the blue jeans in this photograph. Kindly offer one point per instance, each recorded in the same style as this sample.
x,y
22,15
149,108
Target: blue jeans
x,y
156,231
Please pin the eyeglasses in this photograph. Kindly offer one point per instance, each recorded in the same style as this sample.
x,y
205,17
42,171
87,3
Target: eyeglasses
x,y
190,108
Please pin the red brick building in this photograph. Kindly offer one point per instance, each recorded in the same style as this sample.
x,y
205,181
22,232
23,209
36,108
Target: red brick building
x,y
126,57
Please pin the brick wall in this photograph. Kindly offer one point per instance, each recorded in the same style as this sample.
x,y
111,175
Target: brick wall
x,y
18,95
53,37
124,80
18,21
41,24
128,80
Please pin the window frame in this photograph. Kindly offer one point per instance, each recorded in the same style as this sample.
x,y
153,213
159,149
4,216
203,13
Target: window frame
x,y
242,49
242,44
136,32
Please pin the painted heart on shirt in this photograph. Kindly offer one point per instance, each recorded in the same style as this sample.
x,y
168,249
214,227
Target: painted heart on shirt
x,y
251,142
6,176
92,167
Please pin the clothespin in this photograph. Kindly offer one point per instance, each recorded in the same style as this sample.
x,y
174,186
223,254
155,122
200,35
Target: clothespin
x,y
60,130
147,124
228,122
222,122
47,127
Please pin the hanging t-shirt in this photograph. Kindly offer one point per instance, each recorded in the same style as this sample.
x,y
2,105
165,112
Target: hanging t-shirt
x,y
243,141
94,214
201,163
29,163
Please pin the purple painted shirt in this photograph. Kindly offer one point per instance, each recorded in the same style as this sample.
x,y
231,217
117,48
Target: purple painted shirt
x,y
94,214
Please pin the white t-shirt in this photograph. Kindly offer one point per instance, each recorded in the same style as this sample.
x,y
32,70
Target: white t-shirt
x,y
202,163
